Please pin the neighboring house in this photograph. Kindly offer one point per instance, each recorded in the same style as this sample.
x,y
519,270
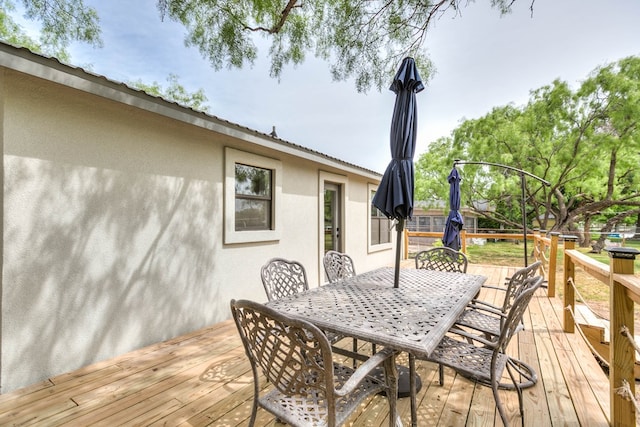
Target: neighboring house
x,y
128,220
434,220
431,218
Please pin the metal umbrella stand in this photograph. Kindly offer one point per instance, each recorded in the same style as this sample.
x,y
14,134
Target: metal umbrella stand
x,y
522,189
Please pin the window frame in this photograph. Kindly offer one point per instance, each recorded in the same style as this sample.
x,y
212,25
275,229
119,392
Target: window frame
x,y
375,247
231,235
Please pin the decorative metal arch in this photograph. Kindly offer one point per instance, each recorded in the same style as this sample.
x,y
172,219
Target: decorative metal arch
x,y
522,186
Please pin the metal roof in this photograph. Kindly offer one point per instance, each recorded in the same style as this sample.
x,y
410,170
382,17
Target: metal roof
x,y
49,68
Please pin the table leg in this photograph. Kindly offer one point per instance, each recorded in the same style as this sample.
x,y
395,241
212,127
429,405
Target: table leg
x,y
412,389
392,381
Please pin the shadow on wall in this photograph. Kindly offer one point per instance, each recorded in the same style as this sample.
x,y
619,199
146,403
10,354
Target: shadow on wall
x,y
100,261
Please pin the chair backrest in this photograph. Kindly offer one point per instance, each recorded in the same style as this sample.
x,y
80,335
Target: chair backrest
x,y
513,321
281,278
516,282
443,259
338,266
294,355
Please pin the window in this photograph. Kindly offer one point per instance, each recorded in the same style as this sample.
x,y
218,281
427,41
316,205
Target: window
x,y
419,223
379,226
470,224
424,223
252,196
438,223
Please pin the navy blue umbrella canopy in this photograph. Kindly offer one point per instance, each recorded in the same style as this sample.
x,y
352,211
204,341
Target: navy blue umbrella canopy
x,y
394,197
451,236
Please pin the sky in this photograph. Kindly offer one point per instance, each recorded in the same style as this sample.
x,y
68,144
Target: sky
x,y
482,61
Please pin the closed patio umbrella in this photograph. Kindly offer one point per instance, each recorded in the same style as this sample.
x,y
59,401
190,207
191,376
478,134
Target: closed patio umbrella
x,y
394,197
451,236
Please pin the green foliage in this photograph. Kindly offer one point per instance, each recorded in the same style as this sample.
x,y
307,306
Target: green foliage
x,y
586,143
62,21
12,33
364,40
66,20
174,92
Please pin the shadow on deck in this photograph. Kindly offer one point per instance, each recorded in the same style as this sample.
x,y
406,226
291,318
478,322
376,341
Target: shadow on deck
x,y
203,378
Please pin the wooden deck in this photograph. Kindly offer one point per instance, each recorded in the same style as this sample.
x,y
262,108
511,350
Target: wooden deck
x,y
203,378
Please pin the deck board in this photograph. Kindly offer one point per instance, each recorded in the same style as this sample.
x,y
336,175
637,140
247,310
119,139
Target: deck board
x,y
203,378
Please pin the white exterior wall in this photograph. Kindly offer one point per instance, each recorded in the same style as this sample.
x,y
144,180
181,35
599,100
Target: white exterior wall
x,y
112,228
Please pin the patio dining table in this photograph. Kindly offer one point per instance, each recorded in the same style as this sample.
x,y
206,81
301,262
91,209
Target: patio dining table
x,y
413,317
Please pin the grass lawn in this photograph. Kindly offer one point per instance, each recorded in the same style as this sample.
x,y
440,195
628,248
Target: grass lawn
x,y
594,292
510,253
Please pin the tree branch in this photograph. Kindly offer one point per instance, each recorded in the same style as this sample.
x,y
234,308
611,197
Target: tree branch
x,y
283,18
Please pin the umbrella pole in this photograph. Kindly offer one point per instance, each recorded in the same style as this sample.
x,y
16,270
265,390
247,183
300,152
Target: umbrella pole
x,y
399,229
524,218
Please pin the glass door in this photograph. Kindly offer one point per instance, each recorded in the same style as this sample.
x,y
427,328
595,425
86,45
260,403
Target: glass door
x,y
332,219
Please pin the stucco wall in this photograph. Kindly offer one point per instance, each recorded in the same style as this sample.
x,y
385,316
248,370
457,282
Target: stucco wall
x,y
112,235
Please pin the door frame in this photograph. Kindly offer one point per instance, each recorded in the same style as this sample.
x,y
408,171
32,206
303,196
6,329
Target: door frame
x,y
342,182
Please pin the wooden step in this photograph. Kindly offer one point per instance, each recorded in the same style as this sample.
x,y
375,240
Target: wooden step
x,y
596,330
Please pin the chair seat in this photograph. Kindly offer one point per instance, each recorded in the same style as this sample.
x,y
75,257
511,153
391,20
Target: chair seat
x,y
311,410
468,359
481,321
474,362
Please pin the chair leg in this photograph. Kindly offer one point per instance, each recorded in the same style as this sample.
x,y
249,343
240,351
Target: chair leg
x,y
528,375
441,374
355,350
254,407
496,397
519,385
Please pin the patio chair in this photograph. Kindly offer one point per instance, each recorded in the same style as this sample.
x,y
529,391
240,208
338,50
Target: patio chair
x,y
443,259
338,266
486,362
281,278
295,357
488,318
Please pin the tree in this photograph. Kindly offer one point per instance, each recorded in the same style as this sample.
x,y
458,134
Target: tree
x,y
175,92
365,40
585,142
66,20
62,21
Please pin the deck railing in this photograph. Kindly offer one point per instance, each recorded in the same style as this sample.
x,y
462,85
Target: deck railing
x,y
624,292
463,237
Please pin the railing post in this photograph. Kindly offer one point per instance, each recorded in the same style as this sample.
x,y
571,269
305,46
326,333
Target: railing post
x,y
463,240
536,245
405,243
553,264
569,277
621,352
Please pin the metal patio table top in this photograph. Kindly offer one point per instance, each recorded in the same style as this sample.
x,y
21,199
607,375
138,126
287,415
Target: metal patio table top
x,y
413,317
